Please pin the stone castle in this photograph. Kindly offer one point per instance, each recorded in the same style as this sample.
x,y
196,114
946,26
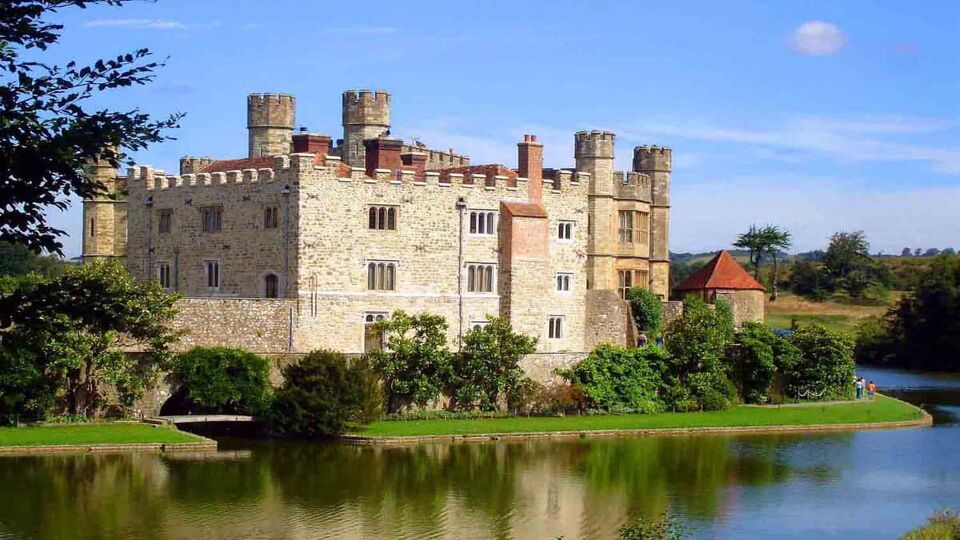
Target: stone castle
x,y
307,242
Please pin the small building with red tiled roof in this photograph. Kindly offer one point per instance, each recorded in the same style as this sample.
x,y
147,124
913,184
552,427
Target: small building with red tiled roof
x,y
723,278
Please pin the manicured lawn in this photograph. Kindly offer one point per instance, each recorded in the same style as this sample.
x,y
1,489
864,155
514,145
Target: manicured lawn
x,y
835,315
119,433
833,321
881,409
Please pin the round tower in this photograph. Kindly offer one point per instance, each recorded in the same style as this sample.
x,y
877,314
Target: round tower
x,y
366,115
657,162
104,214
593,152
270,120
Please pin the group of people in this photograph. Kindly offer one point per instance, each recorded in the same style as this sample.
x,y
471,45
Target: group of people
x,y
862,385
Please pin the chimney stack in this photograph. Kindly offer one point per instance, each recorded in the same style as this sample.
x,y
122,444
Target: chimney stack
x,y
530,166
382,153
311,143
416,161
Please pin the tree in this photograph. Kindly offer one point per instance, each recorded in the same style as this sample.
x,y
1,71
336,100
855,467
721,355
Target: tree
x,y
647,310
617,378
824,367
847,252
949,251
754,361
415,365
73,328
767,241
489,364
932,252
224,380
906,252
48,133
324,394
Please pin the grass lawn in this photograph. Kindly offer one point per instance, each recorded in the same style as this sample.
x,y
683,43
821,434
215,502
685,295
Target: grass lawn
x,y
881,409
833,315
118,433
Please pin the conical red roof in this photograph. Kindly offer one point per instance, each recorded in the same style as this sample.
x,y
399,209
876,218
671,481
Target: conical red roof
x,y
722,272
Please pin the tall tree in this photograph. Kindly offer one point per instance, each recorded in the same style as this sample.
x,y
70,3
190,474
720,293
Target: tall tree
x,y
48,133
761,242
848,251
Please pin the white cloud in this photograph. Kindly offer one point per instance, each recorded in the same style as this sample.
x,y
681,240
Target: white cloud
x,y
138,24
817,38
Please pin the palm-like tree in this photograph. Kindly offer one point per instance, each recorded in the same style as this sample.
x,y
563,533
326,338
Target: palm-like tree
x,y
769,240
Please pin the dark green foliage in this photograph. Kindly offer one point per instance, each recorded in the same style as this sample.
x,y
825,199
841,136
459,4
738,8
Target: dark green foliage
x,y
696,376
768,241
416,364
664,528
67,333
324,394
754,361
618,379
225,380
823,367
647,310
923,330
810,279
531,398
489,364
50,131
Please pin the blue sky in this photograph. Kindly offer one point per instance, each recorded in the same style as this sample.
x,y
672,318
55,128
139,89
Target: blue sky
x,y
817,116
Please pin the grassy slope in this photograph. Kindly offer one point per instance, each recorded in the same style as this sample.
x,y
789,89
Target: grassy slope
x,y
882,409
120,433
831,314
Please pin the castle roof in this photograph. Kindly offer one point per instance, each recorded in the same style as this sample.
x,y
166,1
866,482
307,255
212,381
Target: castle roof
x,y
224,165
517,209
722,272
494,169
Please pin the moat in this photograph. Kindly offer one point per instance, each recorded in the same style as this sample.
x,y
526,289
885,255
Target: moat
x,y
876,483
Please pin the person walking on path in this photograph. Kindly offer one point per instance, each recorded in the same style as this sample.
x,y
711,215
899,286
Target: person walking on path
x,y
641,340
859,386
871,389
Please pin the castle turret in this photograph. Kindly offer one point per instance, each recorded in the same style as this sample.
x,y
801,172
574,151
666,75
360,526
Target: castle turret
x,y
656,162
593,151
270,119
366,115
105,215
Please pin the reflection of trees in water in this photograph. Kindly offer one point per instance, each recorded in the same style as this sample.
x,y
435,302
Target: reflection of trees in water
x,y
90,496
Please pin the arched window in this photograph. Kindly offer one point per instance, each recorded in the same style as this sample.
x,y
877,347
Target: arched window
x,y
271,286
490,224
382,218
392,219
481,278
381,276
483,222
373,218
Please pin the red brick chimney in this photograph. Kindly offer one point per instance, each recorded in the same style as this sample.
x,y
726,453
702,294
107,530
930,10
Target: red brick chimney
x,y
382,153
530,166
311,143
416,161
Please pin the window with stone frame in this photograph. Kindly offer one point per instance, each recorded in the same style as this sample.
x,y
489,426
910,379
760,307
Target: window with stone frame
x,y
164,275
382,218
381,275
564,282
271,217
476,326
93,228
633,227
481,278
373,339
627,279
271,286
565,231
211,216
555,327
166,220
483,222
211,274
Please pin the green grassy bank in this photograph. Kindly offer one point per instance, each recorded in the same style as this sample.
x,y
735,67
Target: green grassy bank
x,y
113,433
881,409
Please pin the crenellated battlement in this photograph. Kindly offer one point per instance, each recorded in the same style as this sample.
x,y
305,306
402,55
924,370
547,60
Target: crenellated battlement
x,y
594,144
652,158
271,110
150,179
366,107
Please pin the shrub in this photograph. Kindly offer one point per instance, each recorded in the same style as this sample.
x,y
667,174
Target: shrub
x,y
415,366
942,525
224,380
489,364
531,398
647,310
617,378
697,343
754,361
824,367
324,394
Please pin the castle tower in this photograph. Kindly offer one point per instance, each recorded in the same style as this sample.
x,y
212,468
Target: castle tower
x,y
270,119
105,215
366,115
656,162
593,152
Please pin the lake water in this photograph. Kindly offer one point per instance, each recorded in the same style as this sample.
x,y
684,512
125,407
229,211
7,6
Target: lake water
x,y
874,484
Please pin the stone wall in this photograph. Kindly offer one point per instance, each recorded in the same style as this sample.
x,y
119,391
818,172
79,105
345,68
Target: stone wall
x,y
671,310
746,305
260,325
608,320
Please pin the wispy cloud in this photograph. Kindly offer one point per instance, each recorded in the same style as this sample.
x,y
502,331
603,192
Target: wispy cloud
x,y
364,30
817,38
149,24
